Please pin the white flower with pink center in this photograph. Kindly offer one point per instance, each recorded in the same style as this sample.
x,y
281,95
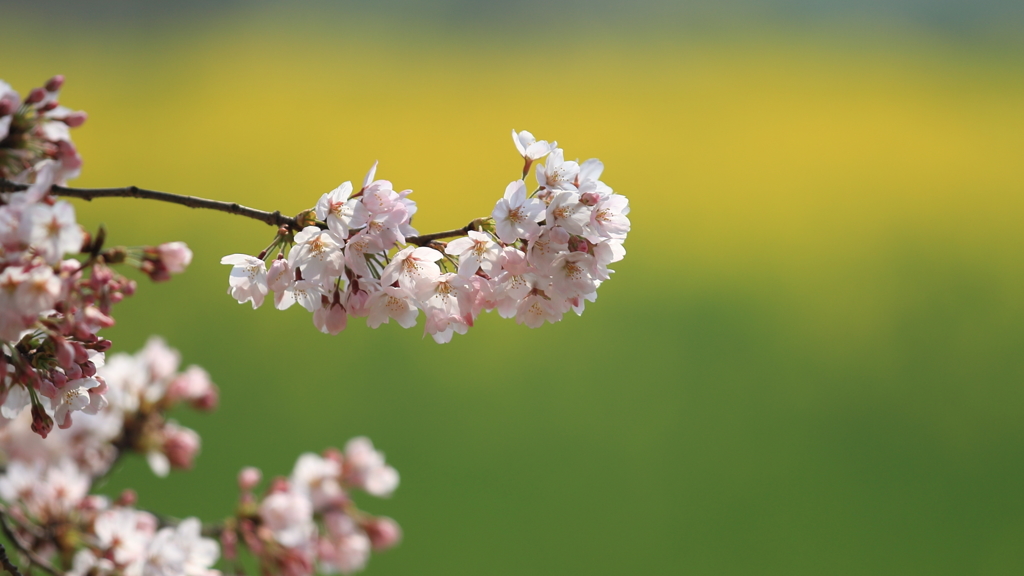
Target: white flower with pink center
x,y
477,251
547,247
442,325
345,548
317,253
392,302
537,308
608,218
529,147
124,534
574,274
356,250
248,279
364,467
52,231
303,292
288,514
516,216
319,479
73,395
412,266
341,213
558,174
567,211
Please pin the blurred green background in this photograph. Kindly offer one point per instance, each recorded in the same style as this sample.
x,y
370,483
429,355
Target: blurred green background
x,y
810,362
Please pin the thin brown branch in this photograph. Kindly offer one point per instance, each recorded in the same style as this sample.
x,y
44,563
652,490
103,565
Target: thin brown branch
x,y
7,564
34,558
271,218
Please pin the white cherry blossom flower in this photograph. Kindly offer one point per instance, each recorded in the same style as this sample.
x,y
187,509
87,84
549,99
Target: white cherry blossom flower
x,y
52,230
515,215
412,266
477,251
248,279
529,147
319,479
288,515
317,253
365,467
608,218
341,213
392,302
558,174
567,211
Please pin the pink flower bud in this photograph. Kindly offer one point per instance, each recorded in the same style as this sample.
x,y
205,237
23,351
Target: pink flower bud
x,y
189,386
88,369
76,119
59,380
249,477
46,388
73,371
175,256
181,446
559,235
41,422
51,105
102,345
590,198
6,107
128,497
81,354
384,533
54,84
35,96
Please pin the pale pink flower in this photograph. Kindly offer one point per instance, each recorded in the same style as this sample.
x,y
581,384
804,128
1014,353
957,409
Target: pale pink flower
x,y
52,231
364,467
288,514
412,266
608,218
180,445
384,532
330,316
125,534
37,290
535,309
557,174
248,279
317,253
574,274
71,396
392,302
567,211
175,256
356,250
341,213
529,147
345,548
280,277
442,325
304,292
515,215
319,479
477,251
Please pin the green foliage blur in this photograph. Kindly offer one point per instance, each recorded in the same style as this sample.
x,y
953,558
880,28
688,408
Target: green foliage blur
x,y
810,361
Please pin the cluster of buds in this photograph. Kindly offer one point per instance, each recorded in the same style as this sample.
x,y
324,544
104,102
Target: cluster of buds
x,y
57,291
308,522
536,257
35,129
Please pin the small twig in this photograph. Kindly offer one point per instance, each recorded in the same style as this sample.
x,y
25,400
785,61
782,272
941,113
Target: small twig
x,y
272,218
24,549
7,564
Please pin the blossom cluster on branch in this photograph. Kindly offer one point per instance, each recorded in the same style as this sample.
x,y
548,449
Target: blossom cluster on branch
x,y
58,285
537,256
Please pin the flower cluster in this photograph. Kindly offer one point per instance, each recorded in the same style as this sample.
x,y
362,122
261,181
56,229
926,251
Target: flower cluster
x,y
308,522
538,256
57,290
304,522
35,129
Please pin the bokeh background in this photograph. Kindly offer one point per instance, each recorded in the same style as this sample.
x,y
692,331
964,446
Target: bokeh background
x,y
810,361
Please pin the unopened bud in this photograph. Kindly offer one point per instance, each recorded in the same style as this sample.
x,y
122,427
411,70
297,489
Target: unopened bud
x,y
41,422
102,345
384,533
6,107
76,119
54,84
590,198
88,369
51,105
127,498
249,477
35,96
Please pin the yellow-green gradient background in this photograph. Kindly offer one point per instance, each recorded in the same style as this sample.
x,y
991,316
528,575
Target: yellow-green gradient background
x,y
810,361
